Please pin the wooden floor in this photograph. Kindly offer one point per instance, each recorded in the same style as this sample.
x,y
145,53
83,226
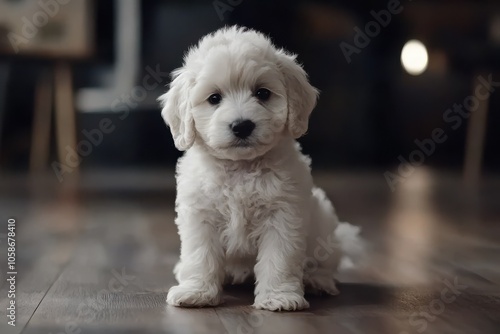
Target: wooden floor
x,y
100,260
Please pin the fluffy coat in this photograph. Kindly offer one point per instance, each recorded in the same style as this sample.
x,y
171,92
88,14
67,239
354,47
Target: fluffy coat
x,y
247,209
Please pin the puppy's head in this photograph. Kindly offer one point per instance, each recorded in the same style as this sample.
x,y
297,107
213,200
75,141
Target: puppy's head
x,y
237,95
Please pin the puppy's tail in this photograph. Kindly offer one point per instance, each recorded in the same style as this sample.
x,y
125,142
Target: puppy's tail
x,y
351,244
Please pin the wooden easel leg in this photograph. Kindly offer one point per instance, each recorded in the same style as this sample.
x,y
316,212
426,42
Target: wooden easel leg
x,y
65,120
40,138
474,145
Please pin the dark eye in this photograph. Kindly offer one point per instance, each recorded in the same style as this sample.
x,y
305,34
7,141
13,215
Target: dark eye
x,y
263,94
214,99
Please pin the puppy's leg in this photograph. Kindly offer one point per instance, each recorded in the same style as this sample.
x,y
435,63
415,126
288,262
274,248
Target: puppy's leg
x,y
321,264
200,271
321,281
279,271
324,252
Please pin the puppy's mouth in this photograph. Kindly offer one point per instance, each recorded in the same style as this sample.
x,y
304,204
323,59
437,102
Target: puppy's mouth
x,y
241,144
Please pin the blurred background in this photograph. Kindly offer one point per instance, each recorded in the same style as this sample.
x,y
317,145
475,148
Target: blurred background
x,y
67,65
404,140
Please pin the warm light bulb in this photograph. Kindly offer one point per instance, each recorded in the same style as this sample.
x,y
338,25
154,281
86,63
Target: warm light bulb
x,y
414,57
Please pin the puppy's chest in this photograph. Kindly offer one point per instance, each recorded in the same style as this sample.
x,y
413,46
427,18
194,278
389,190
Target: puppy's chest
x,y
240,199
243,202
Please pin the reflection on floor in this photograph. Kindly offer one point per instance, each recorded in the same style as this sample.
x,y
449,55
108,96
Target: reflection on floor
x,y
100,260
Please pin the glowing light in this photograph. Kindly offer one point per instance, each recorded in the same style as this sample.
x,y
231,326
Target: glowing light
x,y
414,57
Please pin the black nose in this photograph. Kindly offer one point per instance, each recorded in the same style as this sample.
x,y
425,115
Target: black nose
x,y
242,128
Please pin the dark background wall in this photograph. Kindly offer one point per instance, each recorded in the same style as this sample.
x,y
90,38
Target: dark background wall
x,y
370,110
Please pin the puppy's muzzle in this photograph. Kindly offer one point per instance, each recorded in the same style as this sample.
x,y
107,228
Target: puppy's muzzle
x,y
242,128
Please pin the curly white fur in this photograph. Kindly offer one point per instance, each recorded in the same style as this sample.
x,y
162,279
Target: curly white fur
x,y
248,209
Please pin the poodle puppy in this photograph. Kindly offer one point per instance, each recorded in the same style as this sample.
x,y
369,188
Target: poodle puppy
x,y
246,205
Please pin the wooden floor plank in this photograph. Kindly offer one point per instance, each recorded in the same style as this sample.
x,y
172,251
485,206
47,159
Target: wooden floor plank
x,y
46,233
118,279
431,266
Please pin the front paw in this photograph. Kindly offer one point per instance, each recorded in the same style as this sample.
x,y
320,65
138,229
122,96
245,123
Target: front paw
x,y
280,301
188,296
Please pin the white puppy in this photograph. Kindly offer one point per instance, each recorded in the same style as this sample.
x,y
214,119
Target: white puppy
x,y
246,204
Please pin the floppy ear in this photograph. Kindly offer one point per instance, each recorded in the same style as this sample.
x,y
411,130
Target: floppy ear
x,y
301,95
176,110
